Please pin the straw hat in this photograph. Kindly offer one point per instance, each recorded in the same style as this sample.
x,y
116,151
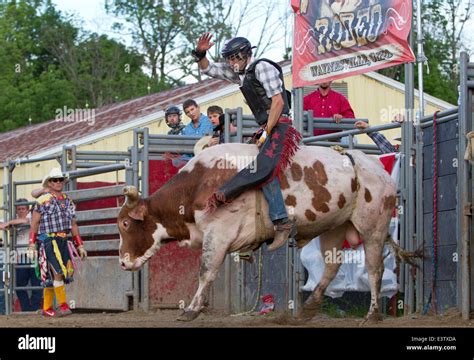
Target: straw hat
x,y
202,144
54,174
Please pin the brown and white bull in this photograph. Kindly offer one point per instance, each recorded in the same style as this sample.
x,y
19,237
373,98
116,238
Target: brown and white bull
x,y
324,193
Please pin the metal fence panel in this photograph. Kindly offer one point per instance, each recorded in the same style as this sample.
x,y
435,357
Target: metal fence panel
x,y
99,283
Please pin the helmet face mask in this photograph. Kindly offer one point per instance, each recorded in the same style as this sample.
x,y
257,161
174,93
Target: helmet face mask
x,y
173,110
236,53
237,61
173,122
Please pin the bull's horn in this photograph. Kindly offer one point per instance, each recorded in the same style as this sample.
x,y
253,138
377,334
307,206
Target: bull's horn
x,y
131,193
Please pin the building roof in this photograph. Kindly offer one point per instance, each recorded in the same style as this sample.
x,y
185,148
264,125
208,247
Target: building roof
x,y
47,138
29,140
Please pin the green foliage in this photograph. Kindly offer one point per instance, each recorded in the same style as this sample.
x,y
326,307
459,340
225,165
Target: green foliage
x,y
48,63
443,30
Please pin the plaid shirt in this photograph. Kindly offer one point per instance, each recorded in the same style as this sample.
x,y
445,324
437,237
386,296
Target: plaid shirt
x,y
266,73
56,214
382,143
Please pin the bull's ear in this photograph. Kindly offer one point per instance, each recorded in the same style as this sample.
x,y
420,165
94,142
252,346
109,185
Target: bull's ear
x,y
139,211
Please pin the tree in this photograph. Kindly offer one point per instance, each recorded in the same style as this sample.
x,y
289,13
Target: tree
x,y
102,70
155,26
29,76
444,24
167,31
443,31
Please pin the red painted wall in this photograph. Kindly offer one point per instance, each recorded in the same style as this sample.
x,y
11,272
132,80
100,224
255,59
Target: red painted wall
x,y
173,270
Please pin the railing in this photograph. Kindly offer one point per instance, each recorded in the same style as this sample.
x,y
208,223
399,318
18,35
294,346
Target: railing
x,y
77,164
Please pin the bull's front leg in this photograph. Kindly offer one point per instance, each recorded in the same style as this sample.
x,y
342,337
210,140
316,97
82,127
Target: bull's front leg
x,y
213,256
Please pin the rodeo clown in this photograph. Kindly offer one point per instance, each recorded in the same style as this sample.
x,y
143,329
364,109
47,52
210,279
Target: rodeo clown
x,y
261,83
173,120
52,219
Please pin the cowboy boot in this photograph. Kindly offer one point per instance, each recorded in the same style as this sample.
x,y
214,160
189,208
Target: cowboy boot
x,y
283,231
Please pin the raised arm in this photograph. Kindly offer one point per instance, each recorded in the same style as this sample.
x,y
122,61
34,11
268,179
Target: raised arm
x,y
215,70
204,43
36,193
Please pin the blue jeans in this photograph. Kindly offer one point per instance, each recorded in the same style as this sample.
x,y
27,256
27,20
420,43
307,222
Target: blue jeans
x,y
23,276
274,197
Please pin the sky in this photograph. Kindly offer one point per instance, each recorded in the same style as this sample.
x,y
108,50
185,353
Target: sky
x,y
91,13
94,18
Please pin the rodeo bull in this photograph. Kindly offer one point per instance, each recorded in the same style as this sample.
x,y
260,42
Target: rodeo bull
x,y
328,195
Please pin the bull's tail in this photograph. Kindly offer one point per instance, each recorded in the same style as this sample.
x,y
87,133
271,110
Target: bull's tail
x,y
402,255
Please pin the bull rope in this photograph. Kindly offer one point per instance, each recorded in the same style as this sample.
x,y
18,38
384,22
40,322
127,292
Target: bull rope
x,y
434,221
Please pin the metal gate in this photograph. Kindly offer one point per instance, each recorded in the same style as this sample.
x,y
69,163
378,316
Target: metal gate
x,y
100,284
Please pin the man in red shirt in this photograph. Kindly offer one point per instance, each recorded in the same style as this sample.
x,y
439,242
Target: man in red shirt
x,y
327,103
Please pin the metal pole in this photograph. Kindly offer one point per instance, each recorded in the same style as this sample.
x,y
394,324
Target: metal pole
x,y
227,284
239,124
8,242
297,99
136,163
96,170
226,126
6,210
129,170
73,166
145,163
421,58
408,181
298,110
464,195
344,133
351,142
135,160
310,122
64,165
145,190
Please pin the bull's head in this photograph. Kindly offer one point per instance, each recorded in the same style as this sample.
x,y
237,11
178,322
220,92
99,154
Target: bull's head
x,y
139,233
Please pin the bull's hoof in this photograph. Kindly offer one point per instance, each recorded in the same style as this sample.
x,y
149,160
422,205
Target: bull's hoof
x,y
188,315
372,319
307,313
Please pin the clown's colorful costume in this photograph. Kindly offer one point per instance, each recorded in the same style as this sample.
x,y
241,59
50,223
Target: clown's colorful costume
x,y
56,255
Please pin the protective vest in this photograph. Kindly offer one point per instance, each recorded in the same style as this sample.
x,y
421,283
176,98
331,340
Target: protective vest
x,y
255,96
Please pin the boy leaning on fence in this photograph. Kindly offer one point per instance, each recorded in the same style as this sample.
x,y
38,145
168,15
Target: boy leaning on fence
x,y
24,274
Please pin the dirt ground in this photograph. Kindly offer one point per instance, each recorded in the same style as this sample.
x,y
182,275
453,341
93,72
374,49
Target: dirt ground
x,y
215,319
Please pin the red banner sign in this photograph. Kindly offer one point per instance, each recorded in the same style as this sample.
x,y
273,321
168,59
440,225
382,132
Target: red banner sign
x,y
334,39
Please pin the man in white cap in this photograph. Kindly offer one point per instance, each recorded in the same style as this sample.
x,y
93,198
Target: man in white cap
x,y
54,216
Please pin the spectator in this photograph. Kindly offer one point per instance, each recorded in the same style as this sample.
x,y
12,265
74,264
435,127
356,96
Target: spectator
x,y
173,120
200,124
216,116
380,140
28,274
327,103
